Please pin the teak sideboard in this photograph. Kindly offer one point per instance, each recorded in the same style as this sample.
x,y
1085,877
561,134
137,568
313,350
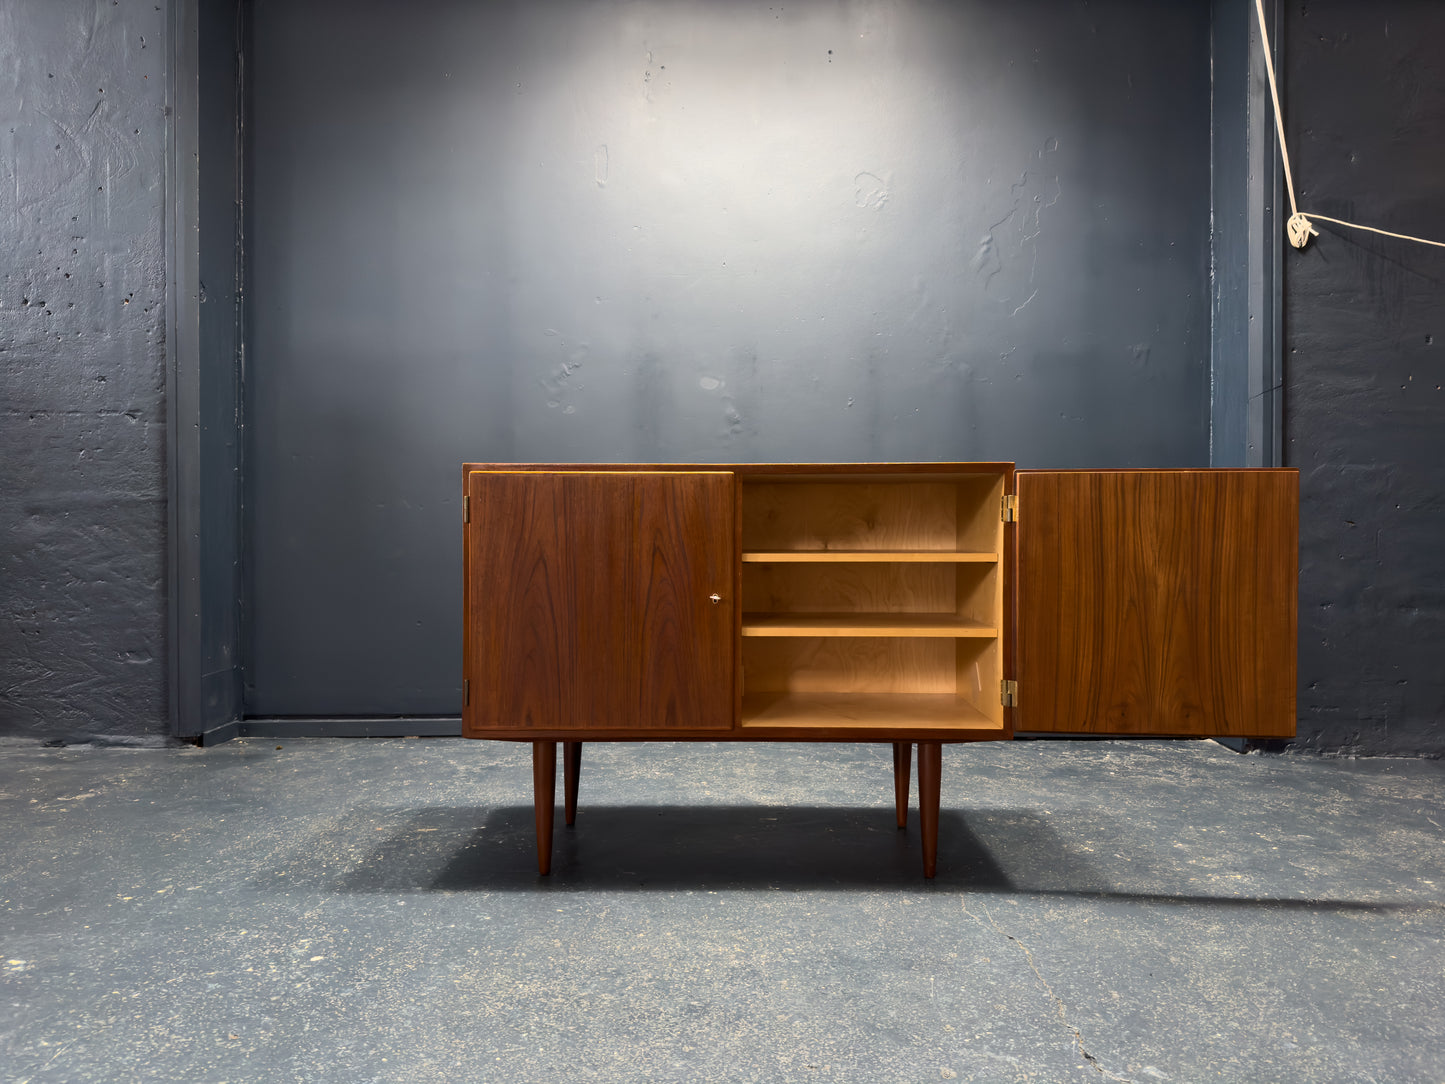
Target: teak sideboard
x,y
908,603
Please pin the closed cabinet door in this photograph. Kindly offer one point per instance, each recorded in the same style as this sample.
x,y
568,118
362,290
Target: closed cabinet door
x,y
600,600
1157,602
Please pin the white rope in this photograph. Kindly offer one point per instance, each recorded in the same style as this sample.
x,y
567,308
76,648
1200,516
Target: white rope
x,y
1371,229
1278,116
1300,227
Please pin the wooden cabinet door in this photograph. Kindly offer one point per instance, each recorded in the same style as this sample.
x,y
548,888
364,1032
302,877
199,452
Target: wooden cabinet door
x,y
1157,602
588,601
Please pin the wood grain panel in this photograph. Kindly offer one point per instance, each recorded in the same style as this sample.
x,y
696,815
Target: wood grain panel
x,y
849,665
948,625
519,638
1157,602
979,595
977,670
683,553
850,516
980,526
850,588
859,710
588,601
855,556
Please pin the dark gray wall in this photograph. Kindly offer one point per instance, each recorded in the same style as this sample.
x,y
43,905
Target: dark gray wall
x,y
220,32
1230,237
1365,325
81,483
82,369
1245,428
689,231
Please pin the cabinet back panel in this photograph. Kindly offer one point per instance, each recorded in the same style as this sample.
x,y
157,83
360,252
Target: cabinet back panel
x,y
850,516
846,664
853,588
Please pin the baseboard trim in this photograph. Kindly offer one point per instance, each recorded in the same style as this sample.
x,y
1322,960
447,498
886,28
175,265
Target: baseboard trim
x,y
223,733
382,726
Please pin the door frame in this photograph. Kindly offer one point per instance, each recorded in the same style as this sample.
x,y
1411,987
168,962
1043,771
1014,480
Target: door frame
x,y
183,374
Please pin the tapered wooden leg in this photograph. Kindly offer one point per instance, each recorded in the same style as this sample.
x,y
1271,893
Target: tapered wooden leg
x,y
930,776
544,797
902,761
571,768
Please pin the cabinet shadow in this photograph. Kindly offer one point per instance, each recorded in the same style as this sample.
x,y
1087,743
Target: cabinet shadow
x,y
652,848
643,847
709,847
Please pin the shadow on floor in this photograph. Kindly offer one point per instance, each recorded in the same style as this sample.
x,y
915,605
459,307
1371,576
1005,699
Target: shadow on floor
x,y
651,848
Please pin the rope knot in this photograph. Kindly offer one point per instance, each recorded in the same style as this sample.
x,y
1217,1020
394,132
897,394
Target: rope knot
x,y
1300,230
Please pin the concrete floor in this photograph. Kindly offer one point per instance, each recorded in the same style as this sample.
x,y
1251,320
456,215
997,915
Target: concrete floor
x,y
353,910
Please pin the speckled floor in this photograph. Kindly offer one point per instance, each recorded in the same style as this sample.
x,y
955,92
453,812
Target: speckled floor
x,y
354,910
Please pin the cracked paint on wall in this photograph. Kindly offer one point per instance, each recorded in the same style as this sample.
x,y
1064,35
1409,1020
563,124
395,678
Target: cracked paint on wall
x,y
1007,259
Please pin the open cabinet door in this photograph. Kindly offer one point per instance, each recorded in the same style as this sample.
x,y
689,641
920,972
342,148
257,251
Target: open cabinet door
x,y
599,600
1157,602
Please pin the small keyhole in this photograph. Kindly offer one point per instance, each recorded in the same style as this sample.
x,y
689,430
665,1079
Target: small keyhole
x,y
715,598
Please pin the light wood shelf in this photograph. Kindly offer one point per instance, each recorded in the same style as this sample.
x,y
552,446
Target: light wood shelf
x,y
872,602
864,710
859,624
867,556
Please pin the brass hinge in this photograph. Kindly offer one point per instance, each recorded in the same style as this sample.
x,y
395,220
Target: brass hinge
x,y
466,509
466,692
1009,693
1010,511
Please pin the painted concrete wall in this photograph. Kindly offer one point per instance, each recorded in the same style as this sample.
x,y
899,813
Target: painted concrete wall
x,y
1365,368
82,369
82,373
689,231
219,32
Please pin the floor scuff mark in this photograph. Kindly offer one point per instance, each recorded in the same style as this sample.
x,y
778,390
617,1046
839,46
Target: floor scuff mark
x,y
1058,1001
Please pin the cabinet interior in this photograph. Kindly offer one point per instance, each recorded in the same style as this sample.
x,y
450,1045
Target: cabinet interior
x,y
873,601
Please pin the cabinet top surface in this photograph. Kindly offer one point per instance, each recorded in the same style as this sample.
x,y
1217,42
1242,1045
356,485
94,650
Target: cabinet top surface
x,y
750,468
862,468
